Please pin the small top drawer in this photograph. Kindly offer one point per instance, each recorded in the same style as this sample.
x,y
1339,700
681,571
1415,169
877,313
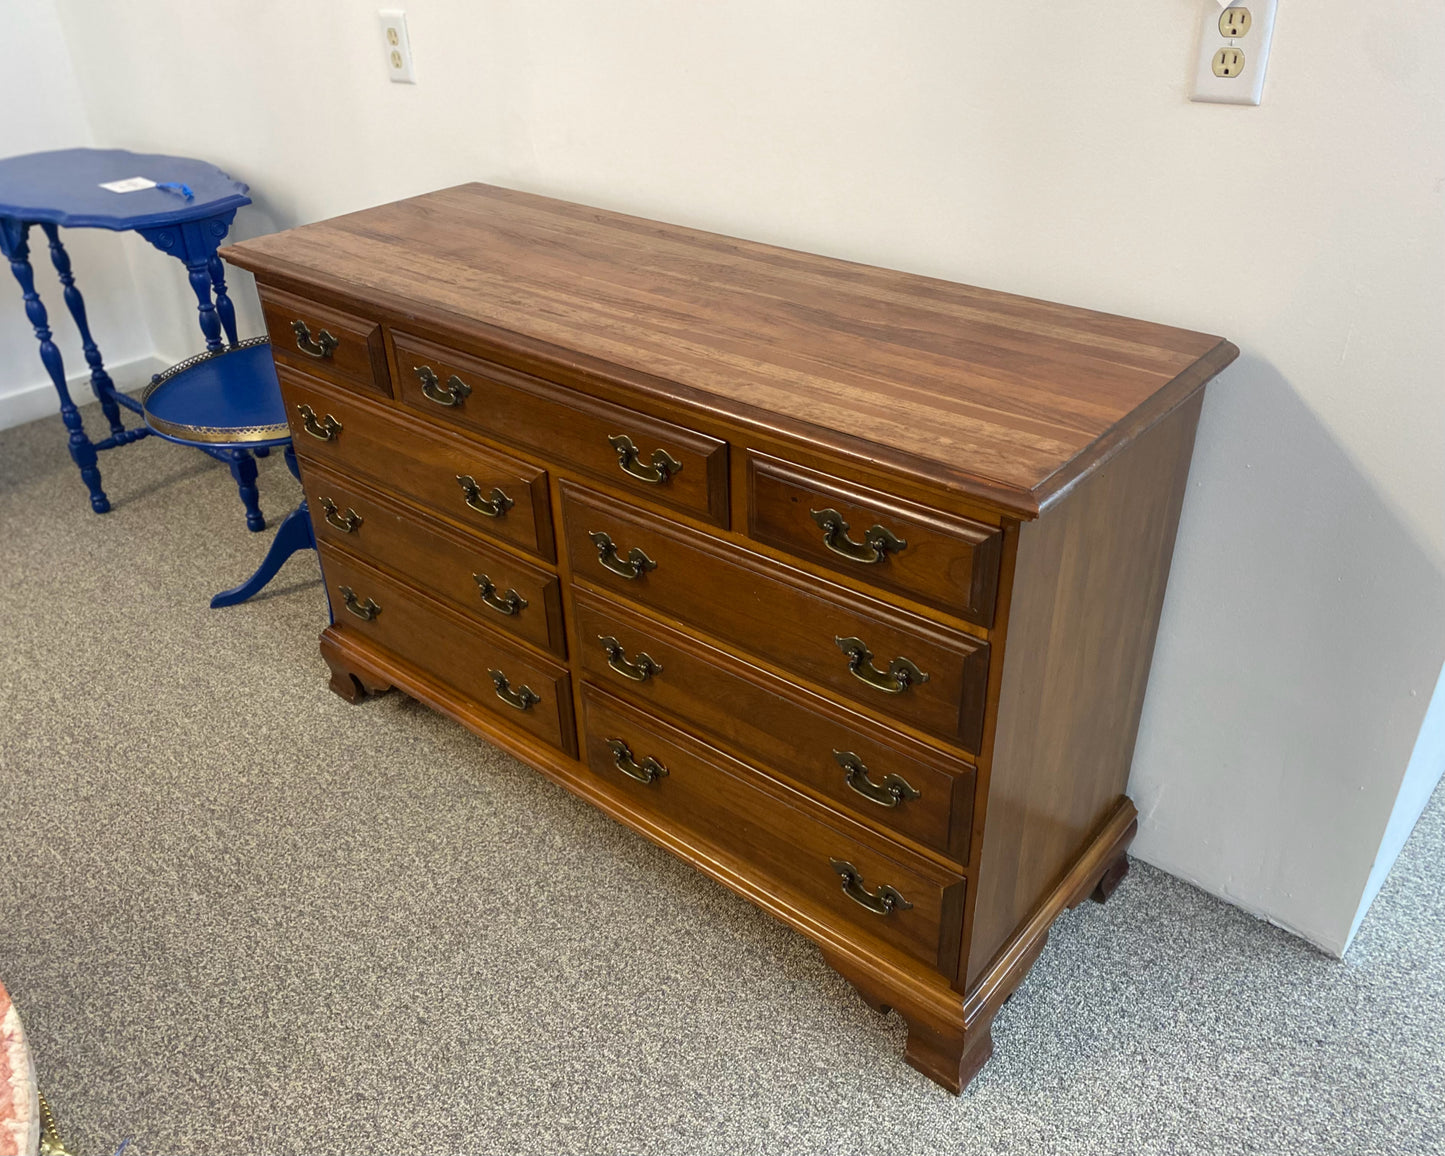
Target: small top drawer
x,y
658,460
941,559
318,339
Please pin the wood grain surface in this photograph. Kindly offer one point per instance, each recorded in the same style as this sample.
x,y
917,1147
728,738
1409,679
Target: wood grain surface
x,y
993,394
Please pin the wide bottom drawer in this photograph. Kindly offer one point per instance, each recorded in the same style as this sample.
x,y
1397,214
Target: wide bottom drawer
x,y
900,898
527,691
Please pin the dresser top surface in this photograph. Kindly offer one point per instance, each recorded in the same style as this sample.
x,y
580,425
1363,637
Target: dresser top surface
x,y
1007,399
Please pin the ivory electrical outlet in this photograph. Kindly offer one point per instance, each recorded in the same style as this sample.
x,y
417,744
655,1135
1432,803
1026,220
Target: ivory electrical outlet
x,y
1234,44
397,45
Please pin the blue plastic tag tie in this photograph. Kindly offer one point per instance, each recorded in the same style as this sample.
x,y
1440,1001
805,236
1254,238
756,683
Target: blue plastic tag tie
x,y
177,187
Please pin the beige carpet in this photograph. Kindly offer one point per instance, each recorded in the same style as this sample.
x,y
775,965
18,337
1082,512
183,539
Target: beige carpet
x,y
241,916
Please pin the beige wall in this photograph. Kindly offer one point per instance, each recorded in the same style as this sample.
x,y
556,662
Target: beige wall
x,y
1030,147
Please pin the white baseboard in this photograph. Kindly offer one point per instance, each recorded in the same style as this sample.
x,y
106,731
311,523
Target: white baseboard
x,y
30,402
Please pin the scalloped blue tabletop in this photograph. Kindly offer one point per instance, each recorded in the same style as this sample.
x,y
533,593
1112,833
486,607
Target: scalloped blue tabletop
x,y
65,188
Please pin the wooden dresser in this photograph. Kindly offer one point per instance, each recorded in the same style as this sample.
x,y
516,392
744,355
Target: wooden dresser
x,y
839,583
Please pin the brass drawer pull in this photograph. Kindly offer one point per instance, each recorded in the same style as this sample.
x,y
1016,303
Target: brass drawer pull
x,y
900,675
523,698
454,392
494,505
884,901
347,523
663,466
325,430
647,771
634,566
876,544
509,604
894,789
321,349
366,611
640,671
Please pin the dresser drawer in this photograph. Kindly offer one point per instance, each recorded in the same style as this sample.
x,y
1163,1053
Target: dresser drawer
x,y
666,463
947,561
340,347
892,662
899,897
883,778
456,477
489,584
526,691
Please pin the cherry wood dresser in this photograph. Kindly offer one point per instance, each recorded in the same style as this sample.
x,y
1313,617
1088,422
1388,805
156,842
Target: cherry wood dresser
x,y
839,583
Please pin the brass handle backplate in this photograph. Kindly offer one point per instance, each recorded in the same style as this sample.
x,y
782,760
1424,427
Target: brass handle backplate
x,y
347,523
633,566
510,603
884,901
639,671
494,505
366,611
454,392
324,429
647,771
661,469
321,349
523,698
900,675
894,789
877,543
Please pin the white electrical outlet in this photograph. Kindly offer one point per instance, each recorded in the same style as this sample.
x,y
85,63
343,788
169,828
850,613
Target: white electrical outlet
x,y
398,46
1233,50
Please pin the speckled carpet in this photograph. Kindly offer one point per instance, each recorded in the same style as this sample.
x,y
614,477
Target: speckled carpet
x,y
240,916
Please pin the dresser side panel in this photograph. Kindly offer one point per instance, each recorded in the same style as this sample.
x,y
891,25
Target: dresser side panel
x,y
1088,590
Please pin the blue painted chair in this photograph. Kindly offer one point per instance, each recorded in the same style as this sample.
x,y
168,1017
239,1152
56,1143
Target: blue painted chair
x,y
230,399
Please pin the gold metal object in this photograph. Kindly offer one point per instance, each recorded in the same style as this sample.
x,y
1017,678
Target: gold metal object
x,y
454,392
640,671
347,523
877,543
884,901
900,675
325,429
510,603
366,611
494,505
647,771
894,789
634,565
321,349
50,1142
663,466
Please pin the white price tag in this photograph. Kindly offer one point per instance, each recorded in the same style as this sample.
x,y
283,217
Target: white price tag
x,y
129,185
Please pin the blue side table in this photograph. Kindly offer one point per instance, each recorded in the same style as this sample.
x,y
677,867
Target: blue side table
x,y
186,213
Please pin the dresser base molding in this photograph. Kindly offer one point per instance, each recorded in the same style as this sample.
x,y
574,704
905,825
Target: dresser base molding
x,y
948,1034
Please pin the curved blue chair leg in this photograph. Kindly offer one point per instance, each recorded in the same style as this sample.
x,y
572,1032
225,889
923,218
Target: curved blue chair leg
x,y
243,469
295,534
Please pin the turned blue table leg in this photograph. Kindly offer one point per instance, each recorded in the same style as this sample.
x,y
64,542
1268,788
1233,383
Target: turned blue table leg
x,y
224,308
194,244
100,382
243,469
14,243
